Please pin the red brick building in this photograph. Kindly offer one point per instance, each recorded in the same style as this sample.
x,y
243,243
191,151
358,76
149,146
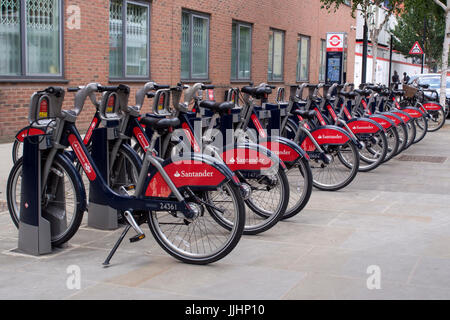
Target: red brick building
x,y
226,43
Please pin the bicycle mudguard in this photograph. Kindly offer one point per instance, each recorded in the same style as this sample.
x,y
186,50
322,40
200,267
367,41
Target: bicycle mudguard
x,y
414,112
285,149
383,120
402,114
249,157
432,106
394,118
196,171
331,135
364,125
28,131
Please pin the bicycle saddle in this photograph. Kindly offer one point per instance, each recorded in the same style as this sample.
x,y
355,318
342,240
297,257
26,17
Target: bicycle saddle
x,y
158,123
351,94
256,91
306,114
398,92
365,93
217,106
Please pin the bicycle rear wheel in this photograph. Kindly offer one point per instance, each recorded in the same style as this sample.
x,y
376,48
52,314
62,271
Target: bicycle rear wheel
x,y
300,187
341,170
411,126
436,120
202,240
268,200
393,141
374,152
421,128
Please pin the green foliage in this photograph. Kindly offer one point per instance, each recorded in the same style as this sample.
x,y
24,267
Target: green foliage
x,y
411,22
363,5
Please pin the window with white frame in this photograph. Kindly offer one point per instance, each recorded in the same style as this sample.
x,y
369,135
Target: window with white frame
x,y
241,51
194,45
129,54
303,58
31,39
323,53
276,55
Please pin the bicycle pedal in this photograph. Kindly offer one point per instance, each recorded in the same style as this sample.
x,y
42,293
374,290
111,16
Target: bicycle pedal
x,y
137,237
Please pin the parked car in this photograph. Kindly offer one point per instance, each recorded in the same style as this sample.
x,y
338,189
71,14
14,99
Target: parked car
x,y
433,80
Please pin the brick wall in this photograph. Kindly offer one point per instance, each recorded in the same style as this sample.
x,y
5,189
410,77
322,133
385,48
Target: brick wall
x,y
86,50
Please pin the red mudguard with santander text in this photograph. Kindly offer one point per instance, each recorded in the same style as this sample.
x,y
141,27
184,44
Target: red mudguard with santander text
x,y
413,112
382,120
396,119
403,115
361,125
432,106
285,149
195,171
331,135
248,157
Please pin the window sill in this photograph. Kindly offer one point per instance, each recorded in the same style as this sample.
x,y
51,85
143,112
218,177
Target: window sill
x,y
241,81
33,80
189,81
276,81
129,80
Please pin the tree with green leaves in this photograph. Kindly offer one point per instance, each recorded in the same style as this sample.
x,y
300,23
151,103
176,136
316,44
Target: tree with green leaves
x,y
370,11
417,16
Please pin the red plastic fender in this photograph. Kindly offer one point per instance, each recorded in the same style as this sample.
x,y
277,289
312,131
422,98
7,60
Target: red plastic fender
x,y
325,136
184,173
385,124
405,117
28,132
242,158
396,120
432,106
283,151
362,126
415,113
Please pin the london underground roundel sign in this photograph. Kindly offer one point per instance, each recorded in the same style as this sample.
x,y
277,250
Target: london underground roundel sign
x,y
335,42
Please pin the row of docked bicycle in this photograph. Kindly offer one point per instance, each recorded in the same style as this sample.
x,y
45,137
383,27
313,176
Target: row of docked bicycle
x,y
201,173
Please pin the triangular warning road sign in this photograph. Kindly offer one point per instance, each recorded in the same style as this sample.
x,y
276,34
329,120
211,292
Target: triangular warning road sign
x,y
416,49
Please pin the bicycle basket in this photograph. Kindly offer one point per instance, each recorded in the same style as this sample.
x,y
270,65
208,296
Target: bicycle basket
x,y
410,91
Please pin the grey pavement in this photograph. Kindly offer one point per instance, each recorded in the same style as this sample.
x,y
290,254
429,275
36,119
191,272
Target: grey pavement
x,y
395,220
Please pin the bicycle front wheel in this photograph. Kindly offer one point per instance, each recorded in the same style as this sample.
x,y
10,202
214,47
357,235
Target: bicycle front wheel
x,y
62,201
202,240
374,152
342,169
300,187
436,120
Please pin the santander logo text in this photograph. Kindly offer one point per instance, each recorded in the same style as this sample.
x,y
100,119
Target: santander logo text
x,y
198,174
248,160
335,137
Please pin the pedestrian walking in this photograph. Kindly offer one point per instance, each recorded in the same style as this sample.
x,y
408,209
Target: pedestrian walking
x,y
395,79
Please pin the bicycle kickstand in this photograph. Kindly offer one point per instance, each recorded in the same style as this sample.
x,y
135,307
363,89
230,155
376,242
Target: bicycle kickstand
x,y
131,224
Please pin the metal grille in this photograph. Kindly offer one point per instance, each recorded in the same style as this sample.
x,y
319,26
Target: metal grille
x,y
115,38
40,15
9,37
9,12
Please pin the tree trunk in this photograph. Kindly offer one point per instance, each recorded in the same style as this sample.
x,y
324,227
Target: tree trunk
x,y
374,57
445,49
